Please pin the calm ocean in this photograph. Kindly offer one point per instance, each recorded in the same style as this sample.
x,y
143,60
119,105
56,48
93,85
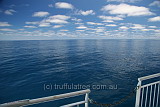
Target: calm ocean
x,y
27,67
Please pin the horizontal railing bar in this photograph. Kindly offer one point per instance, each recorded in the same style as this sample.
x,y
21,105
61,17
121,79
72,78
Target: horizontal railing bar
x,y
15,103
150,84
74,104
149,77
43,99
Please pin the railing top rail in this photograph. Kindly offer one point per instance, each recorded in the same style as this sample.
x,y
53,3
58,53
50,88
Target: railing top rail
x,y
149,77
44,99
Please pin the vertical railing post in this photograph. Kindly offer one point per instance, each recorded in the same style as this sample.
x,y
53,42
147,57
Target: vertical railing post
x,y
86,99
138,93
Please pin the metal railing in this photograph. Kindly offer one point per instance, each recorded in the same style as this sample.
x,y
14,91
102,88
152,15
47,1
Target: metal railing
x,y
148,94
28,102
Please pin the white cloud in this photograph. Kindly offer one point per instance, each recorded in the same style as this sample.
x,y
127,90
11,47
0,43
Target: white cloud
x,y
152,26
99,24
123,28
109,18
79,23
157,30
9,12
111,25
81,27
93,23
21,29
85,13
57,26
61,17
4,24
80,30
58,19
40,14
32,23
155,3
128,1
30,26
154,19
101,27
146,29
125,9
64,5
44,24
37,33
12,5
50,5
77,20
7,30
108,21
137,26
99,30
63,30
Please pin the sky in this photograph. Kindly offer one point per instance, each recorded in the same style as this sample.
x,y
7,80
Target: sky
x,y
79,19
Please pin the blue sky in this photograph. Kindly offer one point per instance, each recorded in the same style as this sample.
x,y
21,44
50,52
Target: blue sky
x,y
79,19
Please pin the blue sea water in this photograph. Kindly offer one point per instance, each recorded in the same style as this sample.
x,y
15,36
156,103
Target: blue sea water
x,y
27,67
